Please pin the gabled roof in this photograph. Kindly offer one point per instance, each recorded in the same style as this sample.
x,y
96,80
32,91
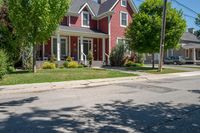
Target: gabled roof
x,y
106,6
95,8
189,37
76,5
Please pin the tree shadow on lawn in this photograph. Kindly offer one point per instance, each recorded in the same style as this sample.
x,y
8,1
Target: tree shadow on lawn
x,y
115,117
21,72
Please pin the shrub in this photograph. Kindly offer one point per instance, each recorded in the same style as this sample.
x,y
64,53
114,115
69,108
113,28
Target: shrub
x,y
65,64
81,66
140,58
69,59
3,63
73,64
11,69
52,58
129,64
132,64
49,65
90,58
117,55
137,64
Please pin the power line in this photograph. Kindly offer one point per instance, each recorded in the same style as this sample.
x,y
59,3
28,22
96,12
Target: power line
x,y
185,6
189,16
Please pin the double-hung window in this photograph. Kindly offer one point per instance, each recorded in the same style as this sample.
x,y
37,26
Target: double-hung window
x,y
85,19
123,3
123,19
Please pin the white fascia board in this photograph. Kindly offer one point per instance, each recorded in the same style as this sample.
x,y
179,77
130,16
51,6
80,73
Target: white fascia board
x,y
86,5
131,3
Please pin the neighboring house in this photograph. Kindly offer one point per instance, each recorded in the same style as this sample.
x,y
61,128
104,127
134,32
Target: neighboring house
x,y
189,49
89,25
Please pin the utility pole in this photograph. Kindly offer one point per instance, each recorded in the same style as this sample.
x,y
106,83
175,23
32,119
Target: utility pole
x,y
162,38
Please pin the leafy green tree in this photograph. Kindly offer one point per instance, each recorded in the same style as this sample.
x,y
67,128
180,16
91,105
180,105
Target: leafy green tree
x,y
8,39
144,31
36,20
197,22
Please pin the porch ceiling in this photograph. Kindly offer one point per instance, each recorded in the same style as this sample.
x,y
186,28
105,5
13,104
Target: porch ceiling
x,y
79,31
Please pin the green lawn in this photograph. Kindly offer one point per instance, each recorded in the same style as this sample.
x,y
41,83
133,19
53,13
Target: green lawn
x,y
60,75
155,71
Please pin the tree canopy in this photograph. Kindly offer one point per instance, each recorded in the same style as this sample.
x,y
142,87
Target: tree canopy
x,y
144,31
197,22
8,39
36,20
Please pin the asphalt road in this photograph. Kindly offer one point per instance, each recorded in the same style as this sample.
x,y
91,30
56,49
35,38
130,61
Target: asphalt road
x,y
163,106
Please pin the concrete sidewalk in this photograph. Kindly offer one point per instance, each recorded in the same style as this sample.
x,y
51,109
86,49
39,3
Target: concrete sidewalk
x,y
41,87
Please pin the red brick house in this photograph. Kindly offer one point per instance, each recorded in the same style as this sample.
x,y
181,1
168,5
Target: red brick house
x,y
89,25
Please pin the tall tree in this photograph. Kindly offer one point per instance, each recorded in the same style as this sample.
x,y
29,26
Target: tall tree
x,y
36,20
197,22
144,31
8,39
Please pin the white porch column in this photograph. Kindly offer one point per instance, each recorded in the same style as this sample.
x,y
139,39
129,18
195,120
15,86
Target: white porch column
x,y
58,47
43,51
109,33
194,56
69,54
167,53
81,43
103,50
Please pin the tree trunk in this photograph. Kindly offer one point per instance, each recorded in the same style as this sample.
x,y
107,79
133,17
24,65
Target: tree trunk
x,y
34,58
153,61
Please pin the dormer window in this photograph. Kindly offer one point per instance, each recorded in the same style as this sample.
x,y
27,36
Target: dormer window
x,y
123,19
123,3
85,19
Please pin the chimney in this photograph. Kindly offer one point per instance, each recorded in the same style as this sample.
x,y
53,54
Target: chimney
x,y
101,1
191,30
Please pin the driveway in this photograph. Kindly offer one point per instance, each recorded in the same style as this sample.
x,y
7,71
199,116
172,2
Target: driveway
x,y
163,106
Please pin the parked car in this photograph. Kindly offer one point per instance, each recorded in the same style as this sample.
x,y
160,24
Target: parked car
x,y
176,60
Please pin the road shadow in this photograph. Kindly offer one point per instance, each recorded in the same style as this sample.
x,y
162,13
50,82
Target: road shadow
x,y
195,91
114,117
19,102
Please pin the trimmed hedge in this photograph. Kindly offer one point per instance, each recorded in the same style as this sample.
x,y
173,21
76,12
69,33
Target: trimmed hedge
x,y
73,64
48,65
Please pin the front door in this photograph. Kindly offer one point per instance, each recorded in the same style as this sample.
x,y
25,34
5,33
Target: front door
x,y
87,46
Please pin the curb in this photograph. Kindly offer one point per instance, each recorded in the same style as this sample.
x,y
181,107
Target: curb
x,y
43,87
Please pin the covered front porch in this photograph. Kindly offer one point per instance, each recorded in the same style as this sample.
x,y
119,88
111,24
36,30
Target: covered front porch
x,y
192,53
76,43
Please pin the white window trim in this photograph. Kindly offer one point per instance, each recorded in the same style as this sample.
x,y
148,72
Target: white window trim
x,y
66,44
122,3
120,38
121,19
86,26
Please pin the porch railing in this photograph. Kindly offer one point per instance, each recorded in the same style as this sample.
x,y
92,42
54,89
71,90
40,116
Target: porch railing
x,y
108,56
85,58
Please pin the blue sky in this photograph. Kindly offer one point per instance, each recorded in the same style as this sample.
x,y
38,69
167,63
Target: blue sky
x,y
193,4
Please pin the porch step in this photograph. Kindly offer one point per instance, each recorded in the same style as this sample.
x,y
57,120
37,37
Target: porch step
x,y
97,64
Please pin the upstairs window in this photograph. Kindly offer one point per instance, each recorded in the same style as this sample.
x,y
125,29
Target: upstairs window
x,y
123,3
85,19
123,19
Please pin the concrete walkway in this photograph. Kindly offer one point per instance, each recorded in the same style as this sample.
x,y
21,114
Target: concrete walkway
x,y
190,68
41,87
